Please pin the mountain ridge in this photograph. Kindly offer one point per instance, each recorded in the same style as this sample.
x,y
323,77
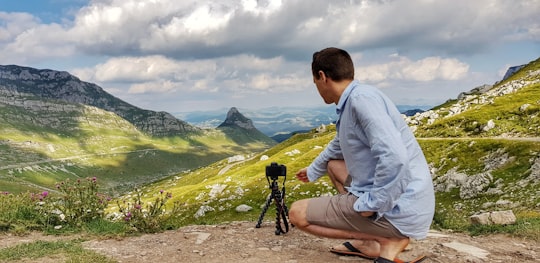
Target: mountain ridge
x,y
30,84
54,126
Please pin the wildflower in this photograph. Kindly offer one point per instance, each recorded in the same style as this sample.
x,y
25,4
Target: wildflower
x,y
128,216
161,191
45,194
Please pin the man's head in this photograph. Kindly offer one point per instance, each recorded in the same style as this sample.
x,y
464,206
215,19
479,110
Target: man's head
x,y
332,70
335,63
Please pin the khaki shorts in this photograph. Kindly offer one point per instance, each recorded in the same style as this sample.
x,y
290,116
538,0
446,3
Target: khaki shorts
x,y
337,212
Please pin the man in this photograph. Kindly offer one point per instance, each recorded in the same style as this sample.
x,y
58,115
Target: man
x,y
385,189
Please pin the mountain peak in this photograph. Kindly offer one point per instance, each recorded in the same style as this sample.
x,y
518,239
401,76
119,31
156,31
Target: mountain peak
x,y
235,118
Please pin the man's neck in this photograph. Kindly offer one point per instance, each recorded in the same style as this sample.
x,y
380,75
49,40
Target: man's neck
x,y
340,87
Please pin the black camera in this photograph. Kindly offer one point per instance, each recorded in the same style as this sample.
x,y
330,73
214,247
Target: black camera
x,y
274,170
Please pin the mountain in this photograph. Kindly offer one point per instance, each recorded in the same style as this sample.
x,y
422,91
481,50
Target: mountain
x,y
55,127
280,122
23,86
241,129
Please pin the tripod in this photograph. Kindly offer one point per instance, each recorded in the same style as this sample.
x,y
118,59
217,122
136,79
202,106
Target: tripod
x,y
281,209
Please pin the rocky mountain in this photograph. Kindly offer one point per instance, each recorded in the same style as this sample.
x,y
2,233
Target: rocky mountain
x,y
280,123
236,119
35,89
241,129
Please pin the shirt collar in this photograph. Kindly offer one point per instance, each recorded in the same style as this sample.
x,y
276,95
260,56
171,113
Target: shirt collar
x,y
345,96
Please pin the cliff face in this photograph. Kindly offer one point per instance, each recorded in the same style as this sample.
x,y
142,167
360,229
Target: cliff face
x,y
54,91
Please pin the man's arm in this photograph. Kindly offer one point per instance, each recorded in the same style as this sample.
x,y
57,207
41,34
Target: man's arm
x,y
318,167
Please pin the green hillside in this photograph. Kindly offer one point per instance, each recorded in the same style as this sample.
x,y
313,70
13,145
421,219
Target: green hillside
x,y
39,148
512,114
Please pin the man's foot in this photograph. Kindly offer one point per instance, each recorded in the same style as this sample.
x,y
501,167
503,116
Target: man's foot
x,y
391,247
361,248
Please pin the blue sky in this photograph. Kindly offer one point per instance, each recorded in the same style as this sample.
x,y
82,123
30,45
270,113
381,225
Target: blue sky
x,y
197,55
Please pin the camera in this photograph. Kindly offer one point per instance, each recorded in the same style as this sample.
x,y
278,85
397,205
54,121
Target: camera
x,y
275,170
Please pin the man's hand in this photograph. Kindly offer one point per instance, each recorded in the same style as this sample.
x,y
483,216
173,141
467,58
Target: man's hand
x,y
302,175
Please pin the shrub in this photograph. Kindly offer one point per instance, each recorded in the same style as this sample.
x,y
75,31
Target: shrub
x,y
22,211
146,217
79,202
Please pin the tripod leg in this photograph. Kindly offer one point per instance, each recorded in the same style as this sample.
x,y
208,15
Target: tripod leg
x,y
261,216
281,213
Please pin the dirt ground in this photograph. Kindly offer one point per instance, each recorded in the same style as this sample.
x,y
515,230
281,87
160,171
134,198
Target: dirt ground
x,y
242,242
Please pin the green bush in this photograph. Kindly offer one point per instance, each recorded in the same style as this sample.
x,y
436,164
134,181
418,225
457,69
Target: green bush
x,y
79,202
149,217
22,211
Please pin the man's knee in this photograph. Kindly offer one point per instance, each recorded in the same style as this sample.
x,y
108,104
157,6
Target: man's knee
x,y
298,212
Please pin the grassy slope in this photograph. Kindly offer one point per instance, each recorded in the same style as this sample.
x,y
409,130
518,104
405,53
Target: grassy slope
x,y
504,111
89,142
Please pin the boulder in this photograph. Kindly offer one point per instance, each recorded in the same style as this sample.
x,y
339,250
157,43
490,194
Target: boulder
x,y
494,218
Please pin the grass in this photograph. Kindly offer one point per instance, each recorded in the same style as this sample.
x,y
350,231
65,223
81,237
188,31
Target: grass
x,y
56,251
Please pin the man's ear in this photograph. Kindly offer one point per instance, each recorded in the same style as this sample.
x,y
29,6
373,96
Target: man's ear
x,y
322,76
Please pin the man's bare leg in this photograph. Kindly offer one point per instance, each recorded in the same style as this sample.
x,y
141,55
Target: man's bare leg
x,y
337,172
388,247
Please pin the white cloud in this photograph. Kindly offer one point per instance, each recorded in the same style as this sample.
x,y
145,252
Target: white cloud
x,y
243,49
23,39
423,70
242,74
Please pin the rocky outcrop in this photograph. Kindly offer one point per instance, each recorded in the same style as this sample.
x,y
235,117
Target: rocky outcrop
x,y
54,91
236,119
478,96
241,129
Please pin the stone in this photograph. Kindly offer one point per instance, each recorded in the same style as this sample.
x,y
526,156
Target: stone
x,y
494,218
243,208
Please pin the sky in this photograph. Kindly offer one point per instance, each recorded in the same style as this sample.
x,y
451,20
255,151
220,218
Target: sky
x,y
202,55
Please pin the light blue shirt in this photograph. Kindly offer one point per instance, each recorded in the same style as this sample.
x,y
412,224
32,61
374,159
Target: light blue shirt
x,y
389,172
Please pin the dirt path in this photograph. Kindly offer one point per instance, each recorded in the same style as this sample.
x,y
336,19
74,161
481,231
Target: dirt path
x,y
242,242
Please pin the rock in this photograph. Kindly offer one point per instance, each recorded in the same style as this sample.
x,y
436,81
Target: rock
x,y
490,125
494,218
243,208
475,185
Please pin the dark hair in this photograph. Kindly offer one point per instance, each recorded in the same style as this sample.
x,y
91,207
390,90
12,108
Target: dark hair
x,y
334,62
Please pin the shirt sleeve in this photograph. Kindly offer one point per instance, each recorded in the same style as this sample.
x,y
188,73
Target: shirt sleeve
x,y
318,167
391,175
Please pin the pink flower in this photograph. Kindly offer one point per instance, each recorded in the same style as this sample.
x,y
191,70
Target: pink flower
x,y
128,216
45,193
